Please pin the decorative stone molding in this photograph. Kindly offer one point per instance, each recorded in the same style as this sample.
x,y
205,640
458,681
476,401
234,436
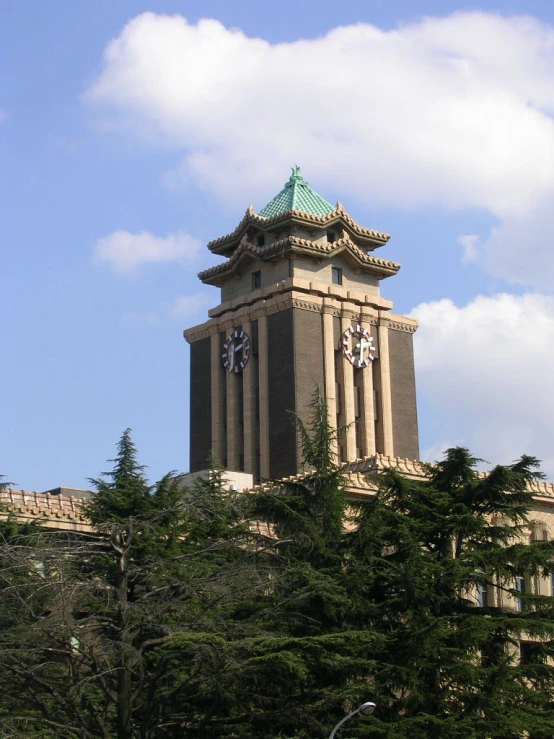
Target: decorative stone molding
x,y
225,244
542,488
307,305
362,477
199,332
398,323
53,511
297,245
294,293
66,513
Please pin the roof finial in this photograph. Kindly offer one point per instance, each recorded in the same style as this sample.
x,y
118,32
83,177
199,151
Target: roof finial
x,y
296,173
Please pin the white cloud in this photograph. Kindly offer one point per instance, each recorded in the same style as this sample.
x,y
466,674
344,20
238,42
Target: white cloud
x,y
183,307
186,306
140,319
485,374
436,451
450,110
469,243
521,249
125,252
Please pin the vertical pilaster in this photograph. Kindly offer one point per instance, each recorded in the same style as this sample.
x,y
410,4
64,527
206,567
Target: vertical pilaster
x,y
368,413
329,368
386,400
233,421
263,347
218,435
348,396
368,405
249,408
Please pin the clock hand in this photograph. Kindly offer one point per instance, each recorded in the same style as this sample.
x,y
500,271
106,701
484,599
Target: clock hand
x,y
364,344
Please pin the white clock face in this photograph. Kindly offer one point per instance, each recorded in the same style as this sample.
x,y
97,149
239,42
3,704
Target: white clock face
x,y
358,346
236,351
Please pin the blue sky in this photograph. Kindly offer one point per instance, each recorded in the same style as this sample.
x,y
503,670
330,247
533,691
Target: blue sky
x,y
131,133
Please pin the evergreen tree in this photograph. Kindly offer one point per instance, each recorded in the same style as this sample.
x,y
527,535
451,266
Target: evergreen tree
x,y
202,613
321,661
435,564
128,631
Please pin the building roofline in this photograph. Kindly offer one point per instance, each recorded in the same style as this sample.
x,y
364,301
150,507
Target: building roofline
x,y
224,245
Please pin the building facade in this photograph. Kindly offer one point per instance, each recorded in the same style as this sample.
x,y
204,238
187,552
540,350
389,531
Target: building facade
x,y
300,309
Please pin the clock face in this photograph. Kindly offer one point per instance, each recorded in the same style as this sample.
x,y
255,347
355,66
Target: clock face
x,y
358,346
236,351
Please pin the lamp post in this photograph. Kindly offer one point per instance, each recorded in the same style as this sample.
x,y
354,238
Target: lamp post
x,y
365,709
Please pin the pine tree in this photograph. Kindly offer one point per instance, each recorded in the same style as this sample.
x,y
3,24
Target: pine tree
x,y
420,554
320,660
129,630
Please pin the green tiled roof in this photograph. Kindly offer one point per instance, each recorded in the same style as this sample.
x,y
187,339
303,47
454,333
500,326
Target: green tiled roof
x,y
297,195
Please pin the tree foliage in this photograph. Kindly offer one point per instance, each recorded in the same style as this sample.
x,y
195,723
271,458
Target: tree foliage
x,y
199,612
420,553
124,631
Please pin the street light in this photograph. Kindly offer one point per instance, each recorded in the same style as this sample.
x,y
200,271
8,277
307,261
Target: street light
x,y
365,709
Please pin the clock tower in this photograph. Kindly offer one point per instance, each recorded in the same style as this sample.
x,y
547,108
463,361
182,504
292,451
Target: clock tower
x,y
300,308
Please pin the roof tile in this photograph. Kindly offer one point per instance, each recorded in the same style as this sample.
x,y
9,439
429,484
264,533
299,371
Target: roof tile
x,y
297,195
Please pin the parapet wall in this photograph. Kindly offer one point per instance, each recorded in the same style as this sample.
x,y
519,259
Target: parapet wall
x,y
53,511
65,512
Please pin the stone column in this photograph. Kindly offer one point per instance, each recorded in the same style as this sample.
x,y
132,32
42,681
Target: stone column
x,y
368,406
218,434
329,349
233,421
249,407
263,347
386,400
348,395
542,584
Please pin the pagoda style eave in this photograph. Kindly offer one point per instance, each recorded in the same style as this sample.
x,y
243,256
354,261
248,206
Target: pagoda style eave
x,y
295,245
225,245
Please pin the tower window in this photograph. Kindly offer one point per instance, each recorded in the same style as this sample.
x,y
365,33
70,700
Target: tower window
x,y
331,237
256,280
260,240
336,275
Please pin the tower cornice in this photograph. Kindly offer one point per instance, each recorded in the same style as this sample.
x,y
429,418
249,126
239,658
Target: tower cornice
x,y
225,245
297,245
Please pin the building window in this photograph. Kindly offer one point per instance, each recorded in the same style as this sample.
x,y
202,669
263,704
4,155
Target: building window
x,y
256,280
336,275
482,600
331,237
520,587
260,240
531,653
481,589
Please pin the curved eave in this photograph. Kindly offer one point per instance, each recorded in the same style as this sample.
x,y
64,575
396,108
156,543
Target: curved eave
x,y
225,245
293,244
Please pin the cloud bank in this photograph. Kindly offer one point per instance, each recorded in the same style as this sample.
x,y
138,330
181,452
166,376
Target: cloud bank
x,y
485,373
126,252
454,111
